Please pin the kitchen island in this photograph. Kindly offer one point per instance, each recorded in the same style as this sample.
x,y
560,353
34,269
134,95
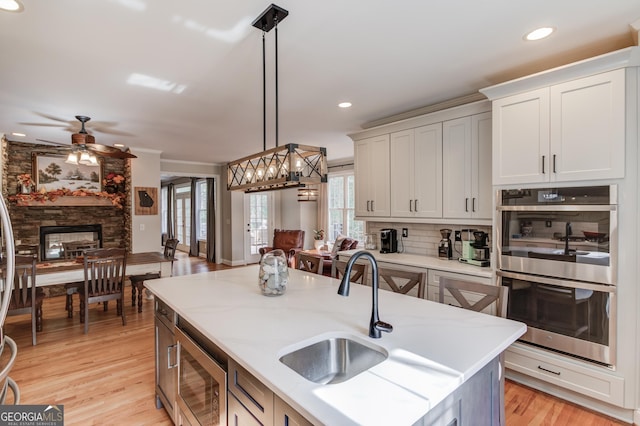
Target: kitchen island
x,y
434,349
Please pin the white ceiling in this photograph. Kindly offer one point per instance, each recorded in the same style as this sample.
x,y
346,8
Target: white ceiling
x,y
73,57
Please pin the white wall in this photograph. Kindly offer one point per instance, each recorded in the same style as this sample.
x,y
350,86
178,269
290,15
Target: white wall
x,y
146,229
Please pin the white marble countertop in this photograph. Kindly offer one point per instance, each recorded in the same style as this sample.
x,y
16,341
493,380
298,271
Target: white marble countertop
x,y
432,350
428,262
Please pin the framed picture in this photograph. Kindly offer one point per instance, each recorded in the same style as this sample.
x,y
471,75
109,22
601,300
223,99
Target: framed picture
x,y
51,173
146,200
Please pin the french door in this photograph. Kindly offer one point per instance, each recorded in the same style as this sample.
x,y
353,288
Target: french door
x,y
183,217
258,214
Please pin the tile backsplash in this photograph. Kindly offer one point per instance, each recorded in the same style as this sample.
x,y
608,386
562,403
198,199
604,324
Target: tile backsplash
x,y
423,237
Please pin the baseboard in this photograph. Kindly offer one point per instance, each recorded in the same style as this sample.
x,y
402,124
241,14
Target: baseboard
x,y
234,262
623,414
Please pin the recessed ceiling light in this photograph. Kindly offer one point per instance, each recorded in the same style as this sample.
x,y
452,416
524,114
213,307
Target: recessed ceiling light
x,y
11,5
344,104
118,145
22,135
539,33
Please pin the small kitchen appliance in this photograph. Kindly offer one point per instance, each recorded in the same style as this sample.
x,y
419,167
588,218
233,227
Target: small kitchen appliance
x,y
444,247
388,241
475,250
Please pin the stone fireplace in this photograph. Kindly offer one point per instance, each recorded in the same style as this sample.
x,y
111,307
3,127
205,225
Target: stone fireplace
x,y
115,223
52,238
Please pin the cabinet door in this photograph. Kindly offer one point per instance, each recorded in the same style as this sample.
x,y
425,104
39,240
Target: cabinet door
x,y
239,415
371,167
521,138
456,168
427,171
416,172
165,367
402,173
285,415
588,128
481,188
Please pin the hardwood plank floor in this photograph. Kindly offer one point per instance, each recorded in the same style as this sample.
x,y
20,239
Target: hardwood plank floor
x,y
107,377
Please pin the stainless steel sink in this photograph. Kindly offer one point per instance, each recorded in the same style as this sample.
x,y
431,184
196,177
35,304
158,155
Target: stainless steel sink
x,y
333,360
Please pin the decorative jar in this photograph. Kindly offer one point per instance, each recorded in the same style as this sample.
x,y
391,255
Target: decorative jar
x,y
318,244
274,273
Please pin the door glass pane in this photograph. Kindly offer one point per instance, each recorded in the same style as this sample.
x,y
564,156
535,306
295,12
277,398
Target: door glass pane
x,y
259,221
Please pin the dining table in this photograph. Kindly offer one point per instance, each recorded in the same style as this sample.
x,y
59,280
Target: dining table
x,y
67,271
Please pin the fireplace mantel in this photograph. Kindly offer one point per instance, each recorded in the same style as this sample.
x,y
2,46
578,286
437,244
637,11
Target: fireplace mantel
x,y
68,201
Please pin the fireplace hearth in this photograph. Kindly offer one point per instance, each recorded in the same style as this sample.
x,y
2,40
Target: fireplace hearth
x,y
53,237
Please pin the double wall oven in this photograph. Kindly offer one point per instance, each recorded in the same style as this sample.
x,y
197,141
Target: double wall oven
x,y
556,251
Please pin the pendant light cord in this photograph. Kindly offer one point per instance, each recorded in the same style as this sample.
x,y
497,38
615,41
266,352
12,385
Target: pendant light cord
x,y
275,20
264,94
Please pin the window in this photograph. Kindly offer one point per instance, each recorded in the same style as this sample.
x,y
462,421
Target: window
x,y
164,202
201,208
341,193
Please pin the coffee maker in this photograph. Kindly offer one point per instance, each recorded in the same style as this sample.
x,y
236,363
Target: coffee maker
x,y
475,249
388,241
444,247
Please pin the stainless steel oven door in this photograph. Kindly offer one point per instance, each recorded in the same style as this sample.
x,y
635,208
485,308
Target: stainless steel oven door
x,y
542,251
573,317
202,384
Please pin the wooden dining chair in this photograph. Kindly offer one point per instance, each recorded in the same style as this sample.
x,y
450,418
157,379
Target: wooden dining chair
x,y
489,294
104,274
72,250
26,298
137,281
402,281
309,263
358,271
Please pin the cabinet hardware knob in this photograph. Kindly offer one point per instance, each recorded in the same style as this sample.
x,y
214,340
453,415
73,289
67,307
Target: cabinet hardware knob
x,y
410,205
554,163
466,204
543,164
415,205
473,204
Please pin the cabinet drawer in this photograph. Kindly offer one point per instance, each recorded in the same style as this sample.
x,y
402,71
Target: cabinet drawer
x,y
165,314
584,379
253,395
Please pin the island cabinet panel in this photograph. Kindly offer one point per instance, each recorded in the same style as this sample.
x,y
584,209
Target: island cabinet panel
x,y
565,132
466,167
254,396
416,172
478,402
285,415
371,166
166,358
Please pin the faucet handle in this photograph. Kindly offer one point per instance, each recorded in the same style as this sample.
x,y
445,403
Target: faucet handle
x,y
383,326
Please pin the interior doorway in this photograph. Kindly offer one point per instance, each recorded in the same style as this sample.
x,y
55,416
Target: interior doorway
x,y
258,216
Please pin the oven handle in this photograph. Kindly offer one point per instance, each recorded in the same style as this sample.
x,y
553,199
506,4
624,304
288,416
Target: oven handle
x,y
555,281
562,208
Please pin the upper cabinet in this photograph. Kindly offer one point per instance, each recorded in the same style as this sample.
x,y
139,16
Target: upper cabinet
x,y
371,167
416,172
466,159
570,131
436,166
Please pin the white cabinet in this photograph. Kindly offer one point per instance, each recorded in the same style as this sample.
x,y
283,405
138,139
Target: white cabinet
x,y
416,172
371,167
565,132
466,166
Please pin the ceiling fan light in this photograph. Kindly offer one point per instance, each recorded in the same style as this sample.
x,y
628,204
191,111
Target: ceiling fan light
x,y
72,158
93,161
85,158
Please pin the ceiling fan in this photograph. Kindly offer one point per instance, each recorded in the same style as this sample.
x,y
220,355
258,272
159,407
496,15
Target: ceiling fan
x,y
85,142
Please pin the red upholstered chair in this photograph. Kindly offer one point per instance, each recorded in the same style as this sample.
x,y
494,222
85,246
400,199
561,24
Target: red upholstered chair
x,y
342,245
289,241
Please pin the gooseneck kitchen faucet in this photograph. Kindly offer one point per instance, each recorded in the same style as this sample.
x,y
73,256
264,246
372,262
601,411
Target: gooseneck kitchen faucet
x,y
375,325
567,232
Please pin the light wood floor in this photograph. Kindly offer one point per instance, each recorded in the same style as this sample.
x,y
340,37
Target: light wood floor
x,y
107,376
